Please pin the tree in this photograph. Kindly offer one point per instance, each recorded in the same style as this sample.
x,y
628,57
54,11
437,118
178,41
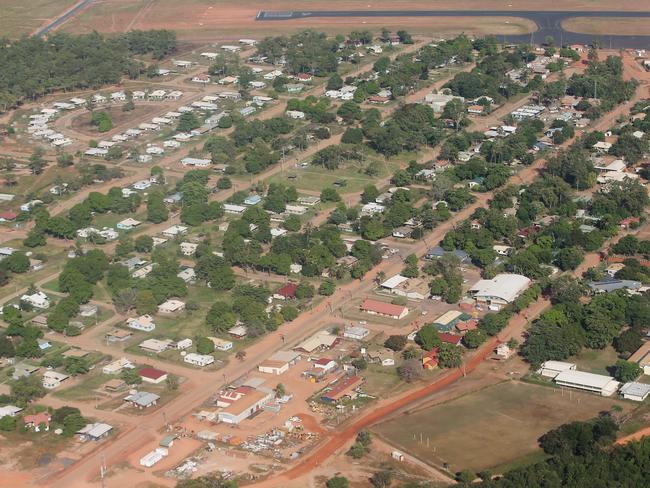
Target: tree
x,y
396,342
143,243
569,258
330,195
359,363
428,338
474,338
224,183
7,349
17,262
450,356
172,382
626,371
410,370
36,162
220,317
64,160
327,288
280,390
337,482
72,424
27,389
204,345
381,479
8,424
304,290
465,476
335,82
156,209
130,377
565,289
145,302
187,122
102,121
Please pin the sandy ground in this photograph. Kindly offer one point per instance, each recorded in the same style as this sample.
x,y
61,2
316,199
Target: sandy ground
x,y
197,19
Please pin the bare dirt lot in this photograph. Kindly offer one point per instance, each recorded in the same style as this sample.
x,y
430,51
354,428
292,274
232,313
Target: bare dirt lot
x,y
210,20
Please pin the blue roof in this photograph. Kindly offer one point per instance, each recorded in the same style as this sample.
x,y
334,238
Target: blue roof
x,y
612,284
438,251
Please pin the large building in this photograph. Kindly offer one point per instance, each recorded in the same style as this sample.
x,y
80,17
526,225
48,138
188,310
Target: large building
x,y
247,404
597,383
642,357
501,290
551,369
375,307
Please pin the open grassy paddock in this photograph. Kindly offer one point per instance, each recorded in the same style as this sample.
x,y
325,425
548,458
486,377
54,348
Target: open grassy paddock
x,y
18,17
490,428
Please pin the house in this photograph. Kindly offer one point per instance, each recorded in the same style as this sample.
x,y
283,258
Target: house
x,y
246,111
188,248
198,359
609,285
602,147
637,392
294,87
287,292
384,309
154,345
437,252
43,344
221,344
503,351
152,375
168,441
356,333
37,300
127,224
143,272
309,201
320,341
376,99
53,379
252,200
117,366
233,209
115,385
325,364
295,114
201,78
502,250
153,457
39,321
188,275
38,421
642,357
383,356
174,230
551,369
467,325
629,222
142,399
438,101
196,162
23,370
94,431
295,210
476,110
238,331
596,383
8,216
279,362
251,402
87,310
501,290
411,288
450,338
344,388
9,411
183,344
144,323
402,232
171,306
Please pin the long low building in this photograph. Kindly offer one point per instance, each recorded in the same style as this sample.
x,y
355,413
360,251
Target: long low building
x,y
245,406
597,383
642,357
375,307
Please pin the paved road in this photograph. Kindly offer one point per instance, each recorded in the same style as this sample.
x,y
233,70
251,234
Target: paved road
x,y
549,23
63,18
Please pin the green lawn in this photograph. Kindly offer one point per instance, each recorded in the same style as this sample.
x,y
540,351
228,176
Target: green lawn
x,y
85,390
595,360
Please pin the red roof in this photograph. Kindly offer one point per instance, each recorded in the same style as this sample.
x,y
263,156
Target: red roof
x,y
151,373
378,99
471,324
288,290
38,419
304,76
382,308
618,259
450,338
323,361
630,220
8,215
343,387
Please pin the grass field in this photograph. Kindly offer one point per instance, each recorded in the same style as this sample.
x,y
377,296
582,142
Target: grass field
x,y
491,428
595,361
18,17
612,25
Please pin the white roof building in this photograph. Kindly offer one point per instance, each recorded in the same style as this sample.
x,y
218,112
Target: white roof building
x,y
198,359
155,345
171,306
500,290
188,248
174,230
144,323
37,300
635,391
551,369
597,383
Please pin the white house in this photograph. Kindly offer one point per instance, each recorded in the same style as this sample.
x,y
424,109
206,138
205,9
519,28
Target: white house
x,y
144,323
501,290
196,162
221,344
188,275
356,333
637,392
53,379
117,366
174,230
551,369
171,306
37,300
198,359
188,248
295,114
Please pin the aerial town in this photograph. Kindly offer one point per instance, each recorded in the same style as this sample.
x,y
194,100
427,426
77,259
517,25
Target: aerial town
x,y
320,253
